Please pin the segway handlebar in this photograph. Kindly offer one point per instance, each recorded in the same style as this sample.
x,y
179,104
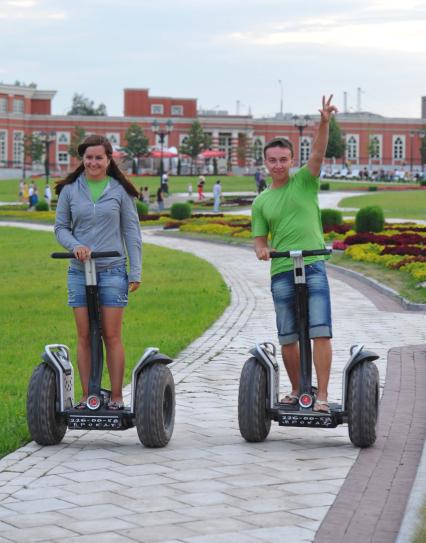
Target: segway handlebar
x,y
292,254
99,254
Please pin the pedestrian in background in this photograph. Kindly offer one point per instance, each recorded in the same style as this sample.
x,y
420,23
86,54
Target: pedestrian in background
x,y
217,195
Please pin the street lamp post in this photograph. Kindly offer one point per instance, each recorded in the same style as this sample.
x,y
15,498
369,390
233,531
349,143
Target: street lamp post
x,y
301,123
48,139
162,136
411,150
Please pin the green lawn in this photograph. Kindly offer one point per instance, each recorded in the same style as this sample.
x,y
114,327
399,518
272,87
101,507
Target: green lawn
x,y
9,187
180,297
407,204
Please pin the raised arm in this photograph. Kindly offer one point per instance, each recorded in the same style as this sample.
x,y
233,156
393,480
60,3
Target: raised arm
x,y
321,139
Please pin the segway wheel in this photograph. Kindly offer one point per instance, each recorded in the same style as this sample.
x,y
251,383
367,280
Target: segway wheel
x,y
253,418
155,406
363,404
46,426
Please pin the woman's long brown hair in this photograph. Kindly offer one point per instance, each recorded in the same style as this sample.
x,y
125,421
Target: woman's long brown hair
x,y
113,170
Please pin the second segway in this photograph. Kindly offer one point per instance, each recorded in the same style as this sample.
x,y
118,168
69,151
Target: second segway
x,y
259,403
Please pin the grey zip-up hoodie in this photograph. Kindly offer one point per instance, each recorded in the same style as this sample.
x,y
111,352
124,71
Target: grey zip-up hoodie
x,y
110,224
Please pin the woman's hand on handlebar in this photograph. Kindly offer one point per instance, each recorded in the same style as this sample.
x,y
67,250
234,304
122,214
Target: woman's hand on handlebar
x,y
82,253
134,285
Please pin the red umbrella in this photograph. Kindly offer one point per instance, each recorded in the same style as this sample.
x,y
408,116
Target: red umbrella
x,y
212,154
164,154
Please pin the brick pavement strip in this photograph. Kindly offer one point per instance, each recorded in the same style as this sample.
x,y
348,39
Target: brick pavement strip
x,y
372,501
207,485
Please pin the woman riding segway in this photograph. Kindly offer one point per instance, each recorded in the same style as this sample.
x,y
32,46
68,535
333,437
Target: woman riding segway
x,y
96,212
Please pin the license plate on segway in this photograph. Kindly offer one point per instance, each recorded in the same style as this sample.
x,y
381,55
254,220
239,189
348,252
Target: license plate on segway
x,y
307,420
96,422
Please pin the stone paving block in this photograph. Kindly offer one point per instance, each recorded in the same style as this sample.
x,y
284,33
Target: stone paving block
x,y
281,534
38,533
99,526
153,534
107,537
96,511
39,506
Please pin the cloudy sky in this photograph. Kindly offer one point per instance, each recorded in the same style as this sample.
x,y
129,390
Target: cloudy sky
x,y
221,52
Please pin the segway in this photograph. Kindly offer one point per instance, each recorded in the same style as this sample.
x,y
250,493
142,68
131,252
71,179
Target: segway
x,y
259,403
50,400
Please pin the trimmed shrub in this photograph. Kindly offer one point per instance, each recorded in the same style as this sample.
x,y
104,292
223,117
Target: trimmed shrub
x,y
180,210
42,205
325,186
372,188
369,219
331,217
142,209
423,183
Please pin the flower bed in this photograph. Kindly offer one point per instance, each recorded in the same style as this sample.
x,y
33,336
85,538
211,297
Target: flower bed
x,y
398,247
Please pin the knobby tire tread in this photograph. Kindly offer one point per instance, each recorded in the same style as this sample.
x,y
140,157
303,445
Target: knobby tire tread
x,y
253,420
151,387
45,425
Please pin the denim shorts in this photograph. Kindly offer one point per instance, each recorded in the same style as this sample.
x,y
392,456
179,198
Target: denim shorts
x,y
319,306
113,284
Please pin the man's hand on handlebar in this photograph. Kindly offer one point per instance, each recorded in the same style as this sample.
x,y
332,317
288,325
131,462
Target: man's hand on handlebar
x,y
263,253
82,253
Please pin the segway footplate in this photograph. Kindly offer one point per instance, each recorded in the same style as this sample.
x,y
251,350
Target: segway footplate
x,y
308,418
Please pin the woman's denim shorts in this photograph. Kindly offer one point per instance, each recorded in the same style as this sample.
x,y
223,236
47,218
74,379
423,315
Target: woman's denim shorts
x,y
319,307
113,284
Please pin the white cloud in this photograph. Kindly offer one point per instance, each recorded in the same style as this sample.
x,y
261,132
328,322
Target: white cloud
x,y
402,36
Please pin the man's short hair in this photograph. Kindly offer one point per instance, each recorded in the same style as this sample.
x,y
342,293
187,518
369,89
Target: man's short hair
x,y
279,142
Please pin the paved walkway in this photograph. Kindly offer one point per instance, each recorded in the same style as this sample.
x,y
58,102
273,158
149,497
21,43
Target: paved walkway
x,y
208,485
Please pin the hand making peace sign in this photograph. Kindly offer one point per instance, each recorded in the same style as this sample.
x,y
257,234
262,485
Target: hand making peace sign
x,y
327,109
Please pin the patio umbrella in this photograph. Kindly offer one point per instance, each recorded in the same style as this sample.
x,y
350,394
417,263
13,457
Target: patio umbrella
x,y
164,154
212,154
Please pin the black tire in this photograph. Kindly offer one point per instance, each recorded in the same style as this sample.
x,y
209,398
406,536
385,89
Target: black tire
x,y
155,405
363,404
46,426
253,418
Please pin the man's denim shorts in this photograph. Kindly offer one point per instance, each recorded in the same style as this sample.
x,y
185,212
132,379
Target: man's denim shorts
x,y
319,308
113,284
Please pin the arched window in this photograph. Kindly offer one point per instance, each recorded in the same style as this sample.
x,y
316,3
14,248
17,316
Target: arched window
x,y
374,149
398,148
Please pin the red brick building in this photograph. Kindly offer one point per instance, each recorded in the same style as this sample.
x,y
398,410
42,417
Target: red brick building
x,y
372,141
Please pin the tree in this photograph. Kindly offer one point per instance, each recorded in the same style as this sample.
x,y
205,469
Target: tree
x,y
336,144
137,143
77,137
84,106
33,149
196,142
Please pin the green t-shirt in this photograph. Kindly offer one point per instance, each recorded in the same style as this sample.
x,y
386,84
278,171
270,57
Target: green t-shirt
x,y
292,216
97,187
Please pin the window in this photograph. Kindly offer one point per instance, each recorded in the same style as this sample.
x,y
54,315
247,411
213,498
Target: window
x,y
375,147
63,158
18,105
18,147
113,138
305,150
157,109
3,146
352,147
398,147
63,138
3,105
177,110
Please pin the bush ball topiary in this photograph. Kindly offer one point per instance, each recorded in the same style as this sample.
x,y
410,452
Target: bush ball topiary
x,y
42,205
331,217
325,186
369,219
372,188
142,209
180,210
